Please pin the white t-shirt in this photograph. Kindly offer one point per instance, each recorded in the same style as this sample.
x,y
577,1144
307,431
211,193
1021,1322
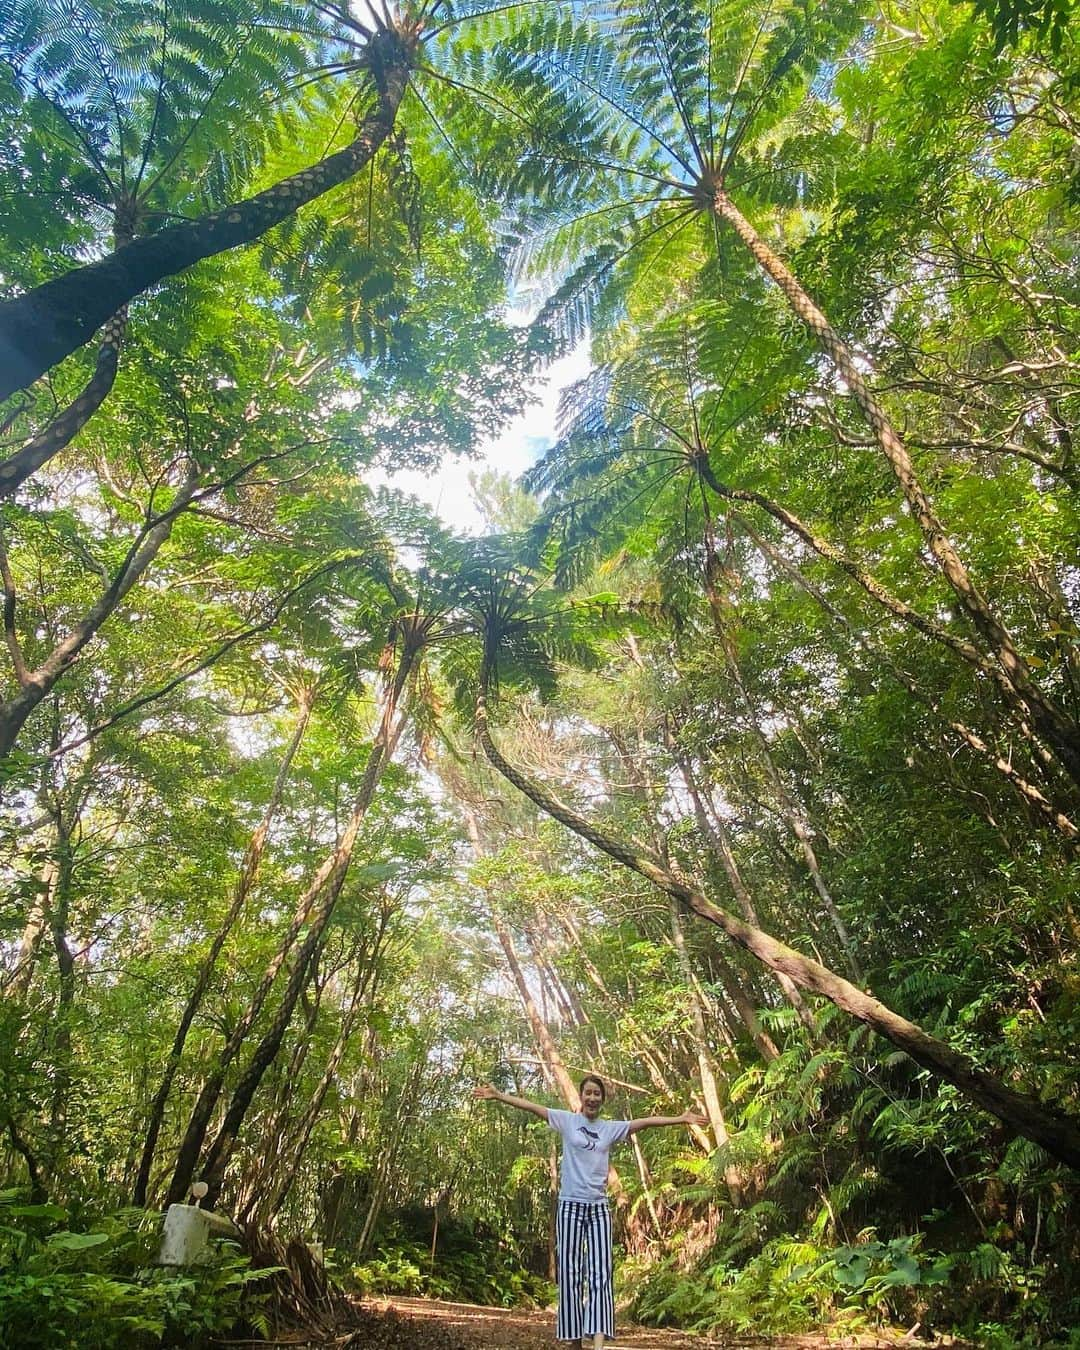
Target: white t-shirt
x,y
585,1146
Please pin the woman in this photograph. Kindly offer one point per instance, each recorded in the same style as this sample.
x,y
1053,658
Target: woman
x,y
583,1224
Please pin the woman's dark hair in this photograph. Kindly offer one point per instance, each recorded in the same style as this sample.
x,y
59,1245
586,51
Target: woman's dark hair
x,y
592,1078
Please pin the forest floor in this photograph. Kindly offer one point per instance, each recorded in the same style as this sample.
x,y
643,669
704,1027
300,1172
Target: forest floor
x,y
430,1324
427,1324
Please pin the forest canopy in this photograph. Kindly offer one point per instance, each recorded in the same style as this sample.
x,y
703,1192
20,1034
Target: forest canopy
x,y
737,759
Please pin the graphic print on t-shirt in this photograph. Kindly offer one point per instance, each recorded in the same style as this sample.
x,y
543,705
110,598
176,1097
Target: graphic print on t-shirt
x,y
586,1143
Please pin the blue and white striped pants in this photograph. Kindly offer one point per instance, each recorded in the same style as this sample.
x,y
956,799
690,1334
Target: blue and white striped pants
x,y
584,1270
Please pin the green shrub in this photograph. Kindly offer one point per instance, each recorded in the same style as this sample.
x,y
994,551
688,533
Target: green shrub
x,y
791,1285
90,1282
474,1267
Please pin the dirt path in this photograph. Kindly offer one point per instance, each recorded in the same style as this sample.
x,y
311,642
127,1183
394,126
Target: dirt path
x,y
426,1324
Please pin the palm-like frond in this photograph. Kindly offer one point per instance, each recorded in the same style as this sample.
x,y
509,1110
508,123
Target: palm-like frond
x,y
635,436
164,102
649,107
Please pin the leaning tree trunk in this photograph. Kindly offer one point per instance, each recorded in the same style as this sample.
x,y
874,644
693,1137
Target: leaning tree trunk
x,y
203,1110
66,425
38,329
245,882
796,820
716,837
545,1044
297,1146
967,651
385,743
1058,1134
646,1050
35,684
1058,729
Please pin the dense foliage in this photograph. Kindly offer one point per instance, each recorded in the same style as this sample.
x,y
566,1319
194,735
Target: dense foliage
x,y
739,760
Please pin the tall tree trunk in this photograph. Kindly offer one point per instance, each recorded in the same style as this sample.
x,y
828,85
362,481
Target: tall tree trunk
x,y
545,1044
66,425
706,1070
44,325
58,919
1058,1134
646,1049
335,864
387,1159
549,1051
245,882
18,983
1050,721
795,818
391,725
899,609
289,1171
279,1086
798,824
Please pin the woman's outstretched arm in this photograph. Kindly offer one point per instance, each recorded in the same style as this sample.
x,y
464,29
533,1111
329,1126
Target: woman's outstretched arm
x,y
687,1118
486,1093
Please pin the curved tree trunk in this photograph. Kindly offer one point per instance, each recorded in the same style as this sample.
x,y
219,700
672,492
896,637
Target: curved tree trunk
x,y
40,328
245,881
66,425
1051,722
1058,1134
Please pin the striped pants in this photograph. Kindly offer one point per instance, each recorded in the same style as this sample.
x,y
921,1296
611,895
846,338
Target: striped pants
x,y
583,1263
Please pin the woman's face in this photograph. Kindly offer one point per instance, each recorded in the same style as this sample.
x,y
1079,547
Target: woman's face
x,y
592,1099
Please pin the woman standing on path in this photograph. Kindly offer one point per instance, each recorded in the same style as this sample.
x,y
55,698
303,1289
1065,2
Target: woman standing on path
x,y
583,1223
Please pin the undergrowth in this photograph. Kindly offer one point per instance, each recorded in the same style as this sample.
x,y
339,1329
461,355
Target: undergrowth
x,y
86,1279
470,1264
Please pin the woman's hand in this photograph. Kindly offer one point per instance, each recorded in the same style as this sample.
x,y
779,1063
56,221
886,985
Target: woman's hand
x,y
485,1092
693,1118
